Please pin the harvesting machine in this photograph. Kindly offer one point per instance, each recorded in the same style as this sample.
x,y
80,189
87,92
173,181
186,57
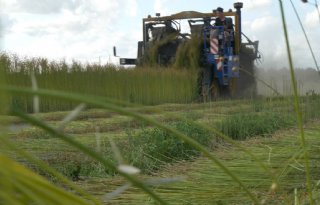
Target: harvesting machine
x,y
225,62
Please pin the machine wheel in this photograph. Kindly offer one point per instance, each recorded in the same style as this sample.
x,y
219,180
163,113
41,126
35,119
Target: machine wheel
x,y
205,92
232,90
214,90
206,83
211,92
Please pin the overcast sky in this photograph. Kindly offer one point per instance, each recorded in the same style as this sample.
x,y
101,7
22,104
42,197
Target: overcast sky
x,y
85,30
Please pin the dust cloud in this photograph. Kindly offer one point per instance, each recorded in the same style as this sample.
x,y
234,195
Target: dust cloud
x,y
308,81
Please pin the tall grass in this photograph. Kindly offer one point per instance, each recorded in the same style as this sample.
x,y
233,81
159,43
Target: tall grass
x,y
25,187
113,107
297,107
20,185
152,149
305,34
244,126
141,86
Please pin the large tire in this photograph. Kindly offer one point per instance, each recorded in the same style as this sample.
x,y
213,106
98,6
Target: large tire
x,y
233,88
206,83
215,90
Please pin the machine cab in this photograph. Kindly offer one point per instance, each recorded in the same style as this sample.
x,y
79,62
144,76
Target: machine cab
x,y
219,49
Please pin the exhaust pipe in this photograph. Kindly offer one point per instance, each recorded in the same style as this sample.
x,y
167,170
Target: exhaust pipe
x,y
238,6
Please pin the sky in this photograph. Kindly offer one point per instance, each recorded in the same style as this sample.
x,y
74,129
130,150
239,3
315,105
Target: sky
x,y
87,30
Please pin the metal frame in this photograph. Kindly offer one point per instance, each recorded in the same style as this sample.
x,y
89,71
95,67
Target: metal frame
x,y
197,15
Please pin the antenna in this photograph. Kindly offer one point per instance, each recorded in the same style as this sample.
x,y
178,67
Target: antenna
x,y
115,51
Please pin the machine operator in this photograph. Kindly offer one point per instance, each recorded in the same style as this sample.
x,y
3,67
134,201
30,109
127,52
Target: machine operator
x,y
221,20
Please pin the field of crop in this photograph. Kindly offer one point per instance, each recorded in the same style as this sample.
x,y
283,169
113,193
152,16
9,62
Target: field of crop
x,y
92,134
176,171
139,136
97,125
140,86
202,182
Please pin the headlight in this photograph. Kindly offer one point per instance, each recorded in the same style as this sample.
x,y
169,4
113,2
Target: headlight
x,y
235,69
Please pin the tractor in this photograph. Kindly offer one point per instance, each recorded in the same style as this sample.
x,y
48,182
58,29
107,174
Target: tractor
x,y
225,63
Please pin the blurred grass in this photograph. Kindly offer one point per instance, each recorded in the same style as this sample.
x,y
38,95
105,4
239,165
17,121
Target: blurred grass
x,y
224,186
75,164
244,126
240,119
152,149
298,109
29,188
205,183
20,185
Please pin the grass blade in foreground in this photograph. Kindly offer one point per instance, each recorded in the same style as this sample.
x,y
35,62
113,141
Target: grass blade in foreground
x,y
231,141
87,151
47,168
16,179
297,106
91,101
306,36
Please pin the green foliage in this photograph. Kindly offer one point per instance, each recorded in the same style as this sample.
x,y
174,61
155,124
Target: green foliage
x,y
311,106
151,59
188,54
243,126
33,133
21,186
76,164
157,147
258,105
140,86
151,149
3,95
297,105
108,164
207,184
